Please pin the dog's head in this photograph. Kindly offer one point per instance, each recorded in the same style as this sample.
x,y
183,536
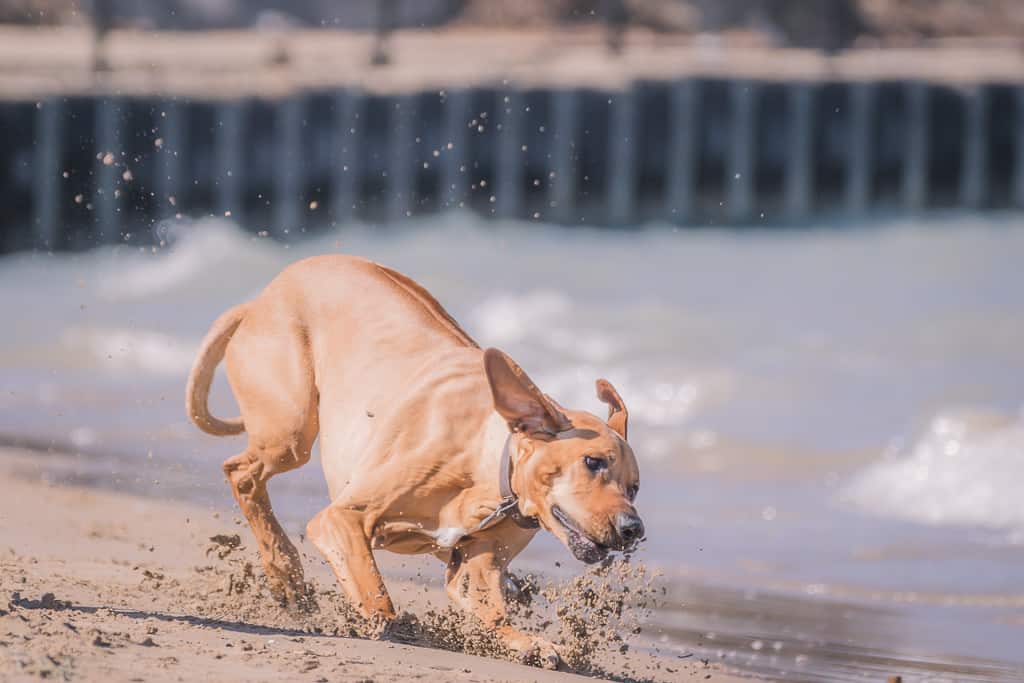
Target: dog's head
x,y
573,471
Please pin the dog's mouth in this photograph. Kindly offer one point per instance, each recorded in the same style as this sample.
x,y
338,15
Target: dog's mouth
x,y
583,547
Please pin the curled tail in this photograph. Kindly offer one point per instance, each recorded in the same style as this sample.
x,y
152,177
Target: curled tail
x,y
211,352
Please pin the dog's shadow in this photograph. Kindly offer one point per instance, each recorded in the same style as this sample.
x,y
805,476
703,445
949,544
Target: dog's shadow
x,y
227,625
407,629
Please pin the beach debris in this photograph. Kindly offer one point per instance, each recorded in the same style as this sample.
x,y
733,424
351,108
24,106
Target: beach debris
x,y
46,601
223,545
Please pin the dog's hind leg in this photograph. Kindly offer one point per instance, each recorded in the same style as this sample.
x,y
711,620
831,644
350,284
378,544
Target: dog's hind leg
x,y
248,473
273,383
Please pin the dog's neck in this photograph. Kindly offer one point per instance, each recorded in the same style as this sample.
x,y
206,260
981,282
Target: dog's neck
x,y
509,498
508,505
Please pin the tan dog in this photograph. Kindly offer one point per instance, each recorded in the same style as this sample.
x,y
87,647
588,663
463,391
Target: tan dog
x,y
429,445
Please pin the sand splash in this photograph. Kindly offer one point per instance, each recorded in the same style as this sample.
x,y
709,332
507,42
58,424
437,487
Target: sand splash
x,y
591,618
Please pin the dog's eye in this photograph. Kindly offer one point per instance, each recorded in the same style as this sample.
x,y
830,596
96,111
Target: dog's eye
x,y
595,464
632,491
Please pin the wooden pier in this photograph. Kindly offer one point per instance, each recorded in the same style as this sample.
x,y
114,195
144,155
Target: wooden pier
x,y
78,171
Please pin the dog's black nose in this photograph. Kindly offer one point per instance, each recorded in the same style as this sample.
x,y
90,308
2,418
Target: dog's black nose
x,y
629,526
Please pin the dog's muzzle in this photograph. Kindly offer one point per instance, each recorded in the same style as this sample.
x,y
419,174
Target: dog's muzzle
x,y
629,528
628,531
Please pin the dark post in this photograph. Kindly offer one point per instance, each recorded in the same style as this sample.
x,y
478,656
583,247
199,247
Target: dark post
x,y
974,171
386,21
860,157
1018,181
616,18
402,171
47,172
915,161
799,178
454,153
621,161
739,182
228,158
681,185
350,107
563,185
172,146
106,192
102,22
288,170
508,171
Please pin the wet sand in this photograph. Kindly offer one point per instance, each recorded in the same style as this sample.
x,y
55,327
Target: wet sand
x,y
101,585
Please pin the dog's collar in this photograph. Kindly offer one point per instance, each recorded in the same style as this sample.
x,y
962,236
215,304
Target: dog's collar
x,y
509,504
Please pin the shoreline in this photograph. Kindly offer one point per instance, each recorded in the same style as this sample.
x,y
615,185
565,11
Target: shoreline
x,y
104,545
105,585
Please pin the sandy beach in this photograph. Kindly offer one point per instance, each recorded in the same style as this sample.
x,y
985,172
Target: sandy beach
x,y
100,585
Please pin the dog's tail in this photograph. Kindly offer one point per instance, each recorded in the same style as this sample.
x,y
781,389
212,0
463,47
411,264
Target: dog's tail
x,y
211,352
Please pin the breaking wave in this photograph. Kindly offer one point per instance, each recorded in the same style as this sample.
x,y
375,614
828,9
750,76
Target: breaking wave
x,y
966,469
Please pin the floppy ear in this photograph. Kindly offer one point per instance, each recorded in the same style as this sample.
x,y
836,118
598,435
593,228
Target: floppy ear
x,y
517,398
617,413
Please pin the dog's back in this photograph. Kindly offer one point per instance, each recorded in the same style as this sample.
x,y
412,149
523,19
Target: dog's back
x,y
325,349
332,319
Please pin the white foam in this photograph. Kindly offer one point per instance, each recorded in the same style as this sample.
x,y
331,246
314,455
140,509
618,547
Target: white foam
x,y
507,318
543,318
554,337
965,470
83,437
208,253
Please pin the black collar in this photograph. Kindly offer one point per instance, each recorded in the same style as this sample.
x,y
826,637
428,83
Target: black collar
x,y
509,504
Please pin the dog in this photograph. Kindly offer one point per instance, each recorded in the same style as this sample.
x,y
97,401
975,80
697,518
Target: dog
x,y
429,444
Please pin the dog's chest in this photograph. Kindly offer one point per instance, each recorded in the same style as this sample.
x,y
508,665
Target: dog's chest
x,y
448,536
406,537
452,524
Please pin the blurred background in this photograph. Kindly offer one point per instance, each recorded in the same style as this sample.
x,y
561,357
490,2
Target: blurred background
x,y
789,231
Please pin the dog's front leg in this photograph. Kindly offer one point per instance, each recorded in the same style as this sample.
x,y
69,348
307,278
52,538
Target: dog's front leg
x,y
339,534
474,582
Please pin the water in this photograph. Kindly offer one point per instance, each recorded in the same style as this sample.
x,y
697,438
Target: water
x,y
828,422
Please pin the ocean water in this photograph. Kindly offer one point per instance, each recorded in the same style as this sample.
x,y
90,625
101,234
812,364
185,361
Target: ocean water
x,y
828,421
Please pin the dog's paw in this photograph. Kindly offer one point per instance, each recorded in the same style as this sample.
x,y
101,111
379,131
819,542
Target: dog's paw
x,y
296,597
380,627
536,652
302,601
516,589
545,655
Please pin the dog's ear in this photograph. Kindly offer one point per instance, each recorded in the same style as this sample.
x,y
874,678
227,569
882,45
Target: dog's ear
x,y
617,413
517,398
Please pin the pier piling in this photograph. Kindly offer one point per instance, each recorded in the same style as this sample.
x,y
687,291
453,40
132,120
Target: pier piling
x,y
915,166
106,198
739,201
687,151
47,172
